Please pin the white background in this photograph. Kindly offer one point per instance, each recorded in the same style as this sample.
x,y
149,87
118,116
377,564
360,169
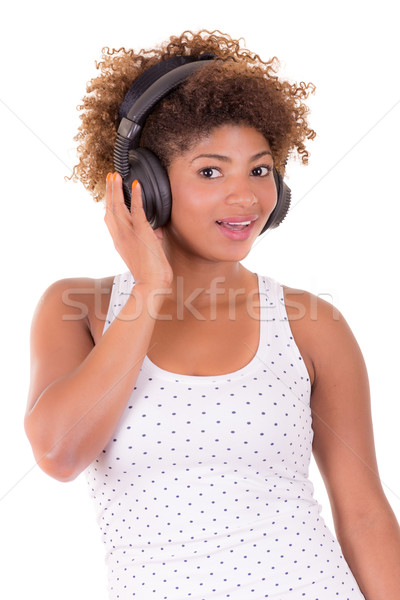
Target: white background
x,y
340,240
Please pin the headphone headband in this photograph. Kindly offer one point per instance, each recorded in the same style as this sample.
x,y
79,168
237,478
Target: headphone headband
x,y
161,88
150,76
130,126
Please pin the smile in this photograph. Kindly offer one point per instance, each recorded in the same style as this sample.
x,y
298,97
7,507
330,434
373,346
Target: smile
x,y
236,231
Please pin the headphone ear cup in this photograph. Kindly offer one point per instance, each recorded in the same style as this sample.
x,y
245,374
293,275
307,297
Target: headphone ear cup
x,y
154,182
282,205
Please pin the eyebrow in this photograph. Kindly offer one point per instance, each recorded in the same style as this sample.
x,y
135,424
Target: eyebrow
x,y
227,159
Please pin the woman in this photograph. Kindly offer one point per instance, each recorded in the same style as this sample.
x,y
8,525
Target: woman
x,y
190,390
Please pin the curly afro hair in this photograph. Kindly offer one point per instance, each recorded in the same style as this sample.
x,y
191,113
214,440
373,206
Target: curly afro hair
x,y
239,89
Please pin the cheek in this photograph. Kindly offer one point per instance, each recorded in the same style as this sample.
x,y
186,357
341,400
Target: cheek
x,y
270,197
188,205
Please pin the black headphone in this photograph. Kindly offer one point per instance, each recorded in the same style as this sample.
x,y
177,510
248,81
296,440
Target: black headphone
x,y
132,162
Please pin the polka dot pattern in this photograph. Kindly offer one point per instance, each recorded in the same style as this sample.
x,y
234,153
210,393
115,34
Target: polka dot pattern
x,y
203,492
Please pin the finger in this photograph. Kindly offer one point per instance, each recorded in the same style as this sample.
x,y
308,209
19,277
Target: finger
x,y
137,209
108,191
113,191
118,206
111,219
117,194
117,214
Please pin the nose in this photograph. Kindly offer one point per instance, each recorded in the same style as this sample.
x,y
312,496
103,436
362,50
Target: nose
x,y
241,193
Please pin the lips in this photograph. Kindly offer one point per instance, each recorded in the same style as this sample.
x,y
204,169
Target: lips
x,y
235,230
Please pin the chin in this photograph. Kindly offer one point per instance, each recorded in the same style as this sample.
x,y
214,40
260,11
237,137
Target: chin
x,y
213,250
231,255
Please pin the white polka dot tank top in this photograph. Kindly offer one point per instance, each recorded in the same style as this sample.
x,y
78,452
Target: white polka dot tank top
x,y
203,493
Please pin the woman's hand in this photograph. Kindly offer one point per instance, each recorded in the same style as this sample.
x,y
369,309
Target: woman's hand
x,y
134,239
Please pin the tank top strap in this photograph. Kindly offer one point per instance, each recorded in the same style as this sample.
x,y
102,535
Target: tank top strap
x,y
270,315
279,349
121,288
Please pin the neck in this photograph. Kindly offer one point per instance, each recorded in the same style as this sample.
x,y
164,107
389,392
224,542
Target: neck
x,y
206,282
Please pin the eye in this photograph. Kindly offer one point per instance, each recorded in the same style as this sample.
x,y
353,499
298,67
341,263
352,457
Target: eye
x,y
210,172
261,171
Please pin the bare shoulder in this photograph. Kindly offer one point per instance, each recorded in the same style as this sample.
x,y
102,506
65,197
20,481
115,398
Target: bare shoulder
x,y
83,299
312,319
321,333
65,325
80,285
305,306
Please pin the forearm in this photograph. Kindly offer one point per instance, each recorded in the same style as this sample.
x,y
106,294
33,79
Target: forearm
x,y
372,550
75,416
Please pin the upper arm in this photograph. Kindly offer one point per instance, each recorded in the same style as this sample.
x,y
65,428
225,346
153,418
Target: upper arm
x,y
60,336
343,445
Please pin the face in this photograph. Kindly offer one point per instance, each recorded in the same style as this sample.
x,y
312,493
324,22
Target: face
x,y
223,192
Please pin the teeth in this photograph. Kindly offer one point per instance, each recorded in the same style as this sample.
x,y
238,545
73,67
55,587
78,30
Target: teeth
x,y
241,223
